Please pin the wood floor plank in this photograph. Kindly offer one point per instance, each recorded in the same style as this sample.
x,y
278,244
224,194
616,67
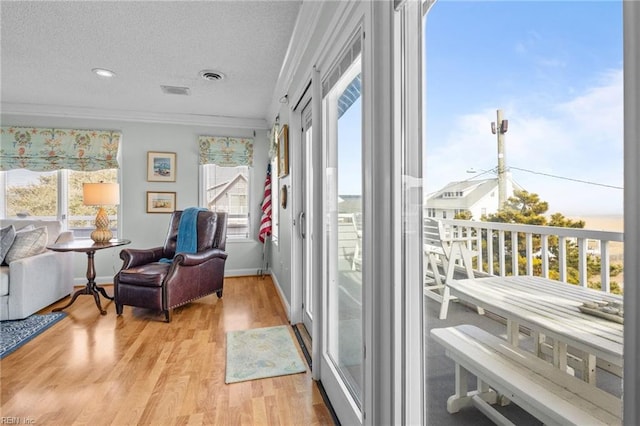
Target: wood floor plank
x,y
136,369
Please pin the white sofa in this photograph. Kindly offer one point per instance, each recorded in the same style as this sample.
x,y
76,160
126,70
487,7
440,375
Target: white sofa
x,y
27,285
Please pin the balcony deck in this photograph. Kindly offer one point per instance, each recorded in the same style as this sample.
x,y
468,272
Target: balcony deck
x,y
439,369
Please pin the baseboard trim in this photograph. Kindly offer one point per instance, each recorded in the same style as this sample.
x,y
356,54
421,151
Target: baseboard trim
x,y
244,272
283,300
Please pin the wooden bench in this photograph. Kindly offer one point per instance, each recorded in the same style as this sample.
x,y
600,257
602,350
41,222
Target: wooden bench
x,y
554,397
442,247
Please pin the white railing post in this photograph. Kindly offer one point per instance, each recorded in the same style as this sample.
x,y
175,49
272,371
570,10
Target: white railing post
x,y
515,254
605,266
582,261
562,258
490,251
479,247
529,251
544,252
501,253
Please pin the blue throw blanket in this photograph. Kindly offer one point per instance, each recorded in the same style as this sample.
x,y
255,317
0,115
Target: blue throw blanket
x,y
187,232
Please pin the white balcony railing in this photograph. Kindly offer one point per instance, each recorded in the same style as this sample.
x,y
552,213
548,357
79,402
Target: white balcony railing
x,y
493,241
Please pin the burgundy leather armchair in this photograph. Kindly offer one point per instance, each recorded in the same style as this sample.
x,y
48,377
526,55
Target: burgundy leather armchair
x,y
146,282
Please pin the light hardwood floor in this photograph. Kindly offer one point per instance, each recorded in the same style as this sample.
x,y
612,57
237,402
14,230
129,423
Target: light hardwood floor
x,y
136,369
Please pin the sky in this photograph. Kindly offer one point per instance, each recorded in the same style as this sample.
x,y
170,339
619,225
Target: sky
x,y
555,70
350,154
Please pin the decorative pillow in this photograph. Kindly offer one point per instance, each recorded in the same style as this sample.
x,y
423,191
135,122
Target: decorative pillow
x,y
27,243
7,235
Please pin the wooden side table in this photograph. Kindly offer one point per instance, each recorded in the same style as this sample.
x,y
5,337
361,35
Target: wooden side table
x,y
89,247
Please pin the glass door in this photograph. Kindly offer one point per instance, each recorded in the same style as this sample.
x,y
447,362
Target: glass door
x,y
305,220
343,233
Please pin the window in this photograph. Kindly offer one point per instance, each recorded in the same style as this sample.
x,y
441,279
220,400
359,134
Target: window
x,y
55,195
226,189
546,92
453,194
456,212
81,218
30,194
431,212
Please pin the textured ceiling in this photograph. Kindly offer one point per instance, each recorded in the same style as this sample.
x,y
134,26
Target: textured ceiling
x,y
49,48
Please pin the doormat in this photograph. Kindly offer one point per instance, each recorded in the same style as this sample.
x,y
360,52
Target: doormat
x,y
16,333
261,352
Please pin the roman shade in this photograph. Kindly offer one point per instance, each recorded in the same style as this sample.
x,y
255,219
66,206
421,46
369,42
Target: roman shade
x,y
47,149
226,151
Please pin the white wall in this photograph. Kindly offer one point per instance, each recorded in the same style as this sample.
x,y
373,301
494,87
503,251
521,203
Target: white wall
x,y
149,230
488,202
281,253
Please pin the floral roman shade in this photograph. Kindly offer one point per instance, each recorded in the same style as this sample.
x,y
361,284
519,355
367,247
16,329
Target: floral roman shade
x,y
41,149
226,151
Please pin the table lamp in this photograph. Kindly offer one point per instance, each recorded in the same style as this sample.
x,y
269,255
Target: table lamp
x,y
101,194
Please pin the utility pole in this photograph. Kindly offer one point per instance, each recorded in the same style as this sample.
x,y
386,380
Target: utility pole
x,y
500,129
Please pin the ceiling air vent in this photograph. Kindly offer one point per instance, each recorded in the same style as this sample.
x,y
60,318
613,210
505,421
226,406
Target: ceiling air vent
x,y
211,75
175,90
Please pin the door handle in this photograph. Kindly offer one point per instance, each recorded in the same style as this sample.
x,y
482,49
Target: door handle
x,y
301,225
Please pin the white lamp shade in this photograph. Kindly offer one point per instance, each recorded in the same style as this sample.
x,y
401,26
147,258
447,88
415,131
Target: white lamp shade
x,y
100,194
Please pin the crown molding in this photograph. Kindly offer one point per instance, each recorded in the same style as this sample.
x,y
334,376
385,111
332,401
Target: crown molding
x,y
303,30
307,24
133,116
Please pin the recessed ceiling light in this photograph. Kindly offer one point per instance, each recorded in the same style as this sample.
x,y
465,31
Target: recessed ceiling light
x,y
103,72
211,75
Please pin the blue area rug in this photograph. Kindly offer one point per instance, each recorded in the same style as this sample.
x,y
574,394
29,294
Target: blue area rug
x,y
14,334
261,352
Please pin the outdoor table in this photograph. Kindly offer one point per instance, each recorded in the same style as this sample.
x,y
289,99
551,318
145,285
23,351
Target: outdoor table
x,y
551,308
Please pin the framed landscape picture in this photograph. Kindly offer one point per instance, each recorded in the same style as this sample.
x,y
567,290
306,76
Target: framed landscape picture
x,y
161,202
283,151
161,166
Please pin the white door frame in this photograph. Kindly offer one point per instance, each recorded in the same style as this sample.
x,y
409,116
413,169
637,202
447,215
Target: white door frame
x,y
631,35
298,171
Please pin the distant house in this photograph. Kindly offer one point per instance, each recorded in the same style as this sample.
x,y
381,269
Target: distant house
x,y
229,195
478,197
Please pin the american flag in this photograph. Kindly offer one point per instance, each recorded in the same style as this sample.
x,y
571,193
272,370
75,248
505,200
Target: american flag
x,y
265,221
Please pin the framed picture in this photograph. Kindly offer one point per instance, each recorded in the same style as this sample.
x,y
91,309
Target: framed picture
x,y
283,151
161,166
161,202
